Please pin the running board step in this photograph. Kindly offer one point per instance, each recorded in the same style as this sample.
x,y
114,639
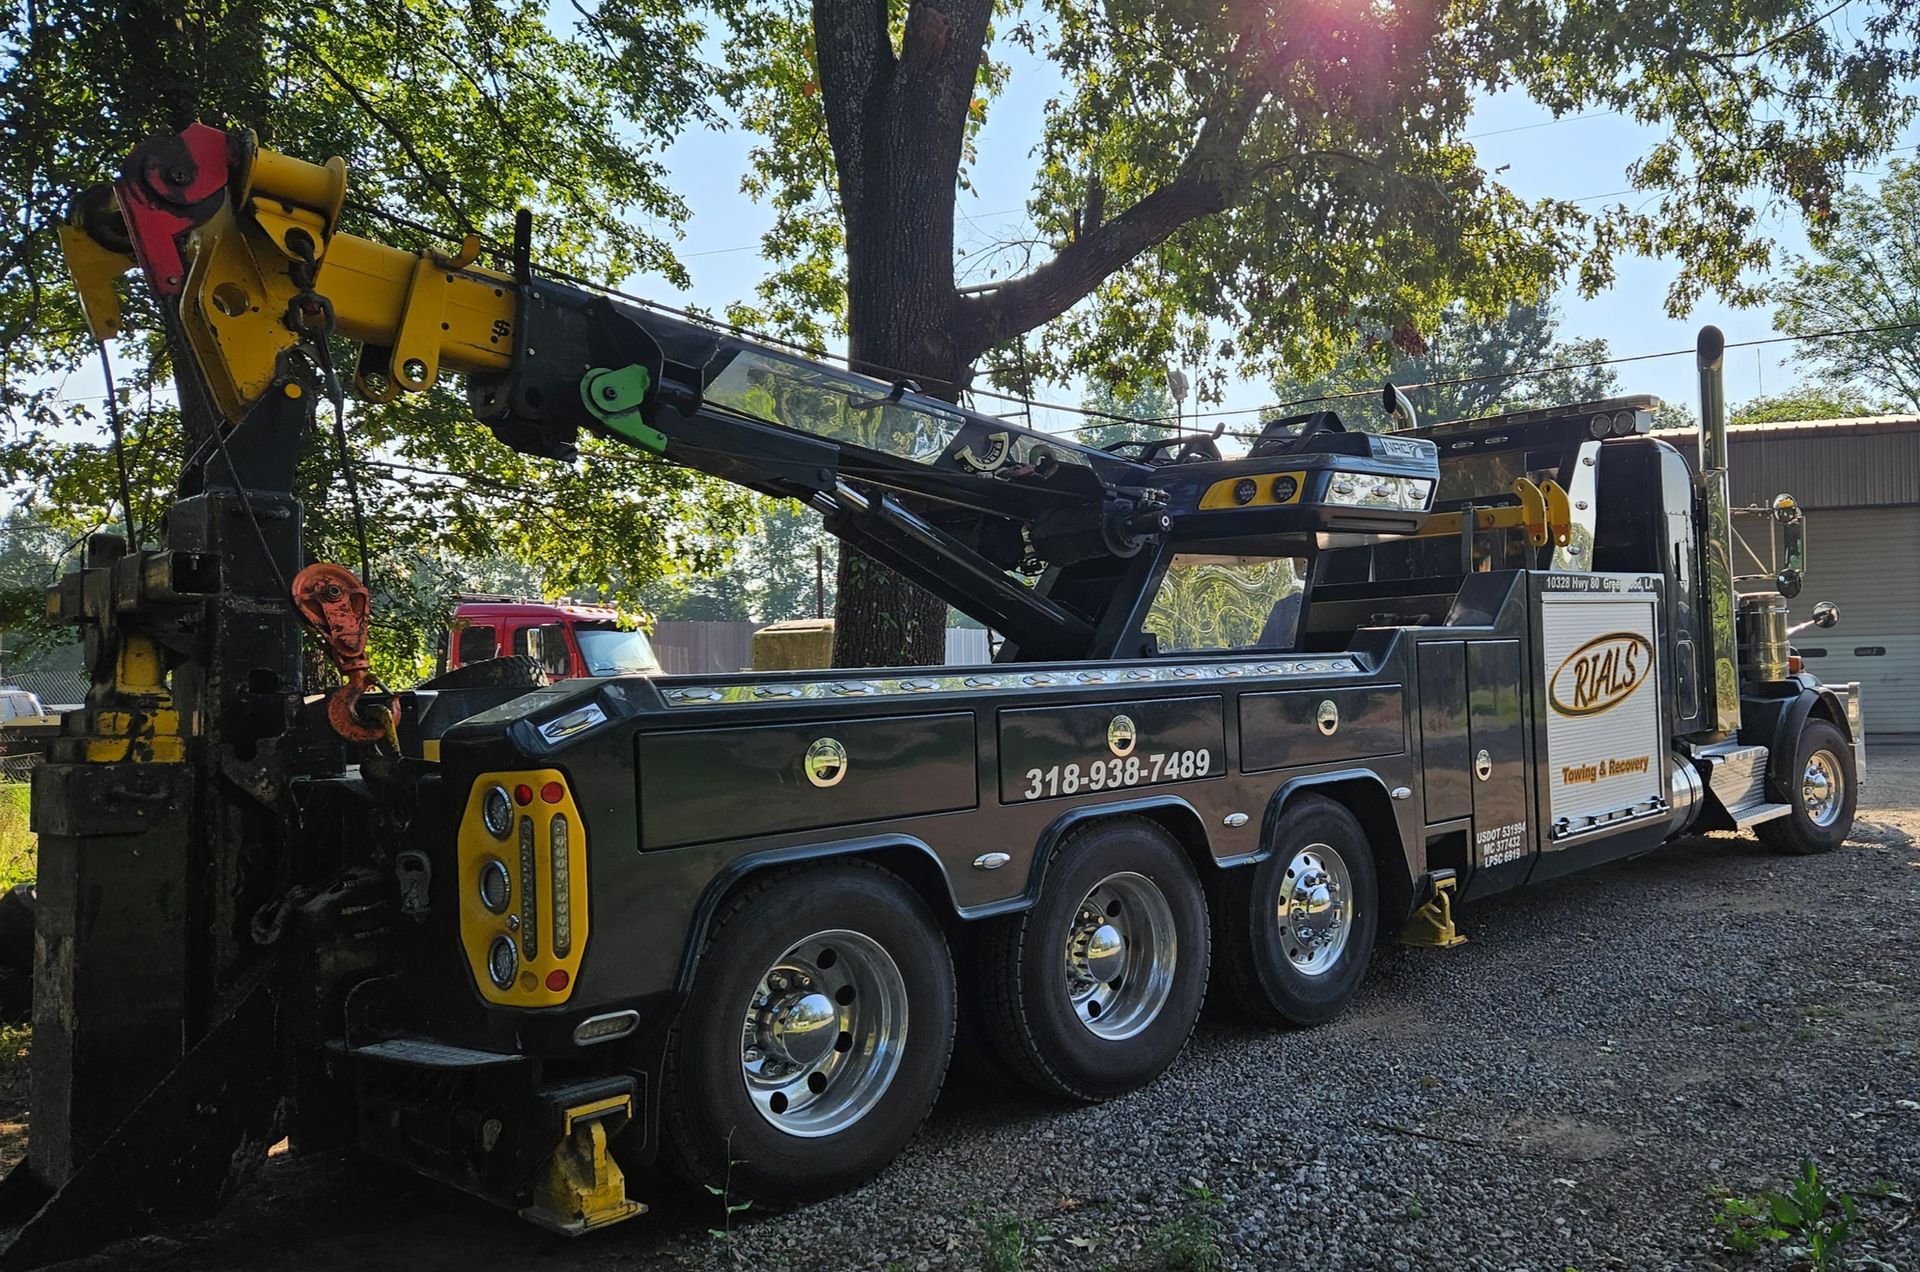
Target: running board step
x,y
1752,815
1737,781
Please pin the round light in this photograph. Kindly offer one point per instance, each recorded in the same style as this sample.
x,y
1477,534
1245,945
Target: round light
x,y
1623,423
557,979
553,792
523,794
1244,490
496,810
1284,488
1599,426
496,885
503,960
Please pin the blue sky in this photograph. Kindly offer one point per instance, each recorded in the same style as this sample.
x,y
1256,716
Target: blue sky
x,y
1580,158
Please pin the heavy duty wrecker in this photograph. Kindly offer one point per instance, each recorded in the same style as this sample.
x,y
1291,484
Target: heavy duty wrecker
x,y
1251,713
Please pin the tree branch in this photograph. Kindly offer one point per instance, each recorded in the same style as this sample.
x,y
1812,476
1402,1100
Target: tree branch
x,y
1049,291
1211,179
400,135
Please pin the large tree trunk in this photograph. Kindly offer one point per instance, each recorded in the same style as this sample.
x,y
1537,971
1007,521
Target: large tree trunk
x,y
897,124
899,316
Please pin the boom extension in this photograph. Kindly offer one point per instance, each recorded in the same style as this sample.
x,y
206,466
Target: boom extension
x,y
247,243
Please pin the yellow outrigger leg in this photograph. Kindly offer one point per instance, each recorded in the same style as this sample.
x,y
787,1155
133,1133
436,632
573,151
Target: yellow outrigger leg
x,y
1432,924
584,1188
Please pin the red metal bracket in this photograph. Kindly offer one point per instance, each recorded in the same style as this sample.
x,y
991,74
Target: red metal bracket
x,y
169,186
334,601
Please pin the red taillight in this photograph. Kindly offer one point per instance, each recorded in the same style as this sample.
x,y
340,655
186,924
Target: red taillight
x,y
523,794
557,979
1794,664
553,792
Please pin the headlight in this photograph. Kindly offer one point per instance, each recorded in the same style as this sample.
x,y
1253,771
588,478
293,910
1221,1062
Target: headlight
x,y
496,810
1244,490
1368,490
496,885
1599,426
1284,487
503,962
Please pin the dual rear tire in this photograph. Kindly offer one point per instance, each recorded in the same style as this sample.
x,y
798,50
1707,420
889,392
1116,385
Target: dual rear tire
x,y
821,1020
1296,932
816,1036
1094,990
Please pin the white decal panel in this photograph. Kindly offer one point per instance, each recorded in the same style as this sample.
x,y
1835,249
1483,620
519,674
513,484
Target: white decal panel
x,y
1602,698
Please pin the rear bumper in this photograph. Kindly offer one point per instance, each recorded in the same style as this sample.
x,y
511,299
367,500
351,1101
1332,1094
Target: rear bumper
x,y
493,1124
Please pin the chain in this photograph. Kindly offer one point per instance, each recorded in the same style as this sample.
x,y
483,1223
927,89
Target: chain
x,y
311,316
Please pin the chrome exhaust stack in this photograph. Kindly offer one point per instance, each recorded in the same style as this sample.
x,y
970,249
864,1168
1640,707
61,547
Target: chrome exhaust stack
x,y
1716,543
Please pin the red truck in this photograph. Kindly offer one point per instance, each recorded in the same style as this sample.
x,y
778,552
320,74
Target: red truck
x,y
569,640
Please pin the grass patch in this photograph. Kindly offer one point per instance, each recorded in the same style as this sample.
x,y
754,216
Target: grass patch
x,y
1186,1244
1190,1243
1810,1218
19,849
15,1042
1003,1243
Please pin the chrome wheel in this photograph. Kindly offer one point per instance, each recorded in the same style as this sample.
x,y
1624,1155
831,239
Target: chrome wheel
x,y
1120,955
824,1033
1316,909
1823,788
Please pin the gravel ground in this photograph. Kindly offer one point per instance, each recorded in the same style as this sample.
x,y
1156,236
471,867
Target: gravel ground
x,y
1577,1087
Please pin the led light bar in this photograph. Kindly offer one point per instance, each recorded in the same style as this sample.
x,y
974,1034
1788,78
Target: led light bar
x,y
562,897
1371,490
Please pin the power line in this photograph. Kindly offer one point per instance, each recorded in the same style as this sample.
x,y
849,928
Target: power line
x,y
1546,123
1530,372
1175,425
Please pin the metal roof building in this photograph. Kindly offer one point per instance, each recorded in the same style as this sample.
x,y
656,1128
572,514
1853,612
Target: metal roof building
x,y
1859,482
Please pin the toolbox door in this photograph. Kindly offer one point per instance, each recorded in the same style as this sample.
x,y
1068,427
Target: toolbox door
x,y
1502,844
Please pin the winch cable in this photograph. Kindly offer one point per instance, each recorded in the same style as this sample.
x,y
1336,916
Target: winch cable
x,y
119,442
310,315
335,395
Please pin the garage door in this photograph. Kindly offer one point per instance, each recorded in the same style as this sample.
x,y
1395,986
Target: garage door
x,y
1863,560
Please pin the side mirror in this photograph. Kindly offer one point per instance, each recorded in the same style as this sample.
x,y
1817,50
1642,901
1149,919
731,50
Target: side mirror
x,y
1793,535
1826,614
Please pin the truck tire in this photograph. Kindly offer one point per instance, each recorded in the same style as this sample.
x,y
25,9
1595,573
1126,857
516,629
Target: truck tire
x,y
815,1039
515,671
1821,794
1094,990
1318,880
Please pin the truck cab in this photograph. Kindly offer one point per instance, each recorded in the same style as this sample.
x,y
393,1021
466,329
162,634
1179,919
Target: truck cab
x,y
568,639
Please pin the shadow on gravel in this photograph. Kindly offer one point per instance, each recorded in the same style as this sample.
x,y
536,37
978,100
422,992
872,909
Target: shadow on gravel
x,y
340,1211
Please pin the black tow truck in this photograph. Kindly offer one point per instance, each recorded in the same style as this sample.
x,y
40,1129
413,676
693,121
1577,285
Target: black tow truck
x,y
1251,715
